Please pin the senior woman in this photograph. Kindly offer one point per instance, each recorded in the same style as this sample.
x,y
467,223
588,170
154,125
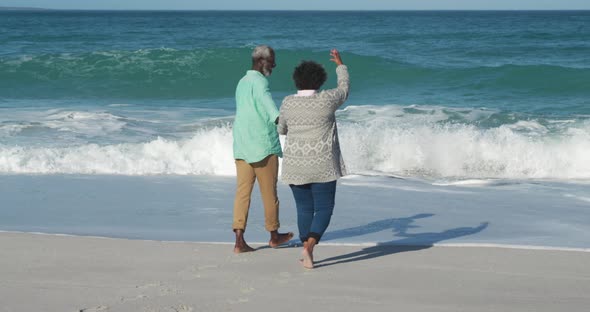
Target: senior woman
x,y
312,161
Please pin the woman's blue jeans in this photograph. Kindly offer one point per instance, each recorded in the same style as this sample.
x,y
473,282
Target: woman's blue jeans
x,y
315,203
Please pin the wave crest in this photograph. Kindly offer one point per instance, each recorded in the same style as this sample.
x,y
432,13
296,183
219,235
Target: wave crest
x,y
201,73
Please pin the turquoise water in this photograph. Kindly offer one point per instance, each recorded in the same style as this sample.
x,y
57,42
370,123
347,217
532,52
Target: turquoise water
x,y
442,95
528,60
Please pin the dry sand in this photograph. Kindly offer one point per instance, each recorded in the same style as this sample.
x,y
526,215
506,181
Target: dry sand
x,y
66,273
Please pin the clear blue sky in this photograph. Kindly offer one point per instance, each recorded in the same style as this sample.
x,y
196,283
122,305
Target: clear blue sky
x,y
304,4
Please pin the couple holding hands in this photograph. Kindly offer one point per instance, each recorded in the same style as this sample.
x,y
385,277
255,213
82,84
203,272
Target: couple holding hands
x,y
312,161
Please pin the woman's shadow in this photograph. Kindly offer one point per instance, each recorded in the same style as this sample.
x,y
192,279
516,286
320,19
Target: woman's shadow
x,y
399,227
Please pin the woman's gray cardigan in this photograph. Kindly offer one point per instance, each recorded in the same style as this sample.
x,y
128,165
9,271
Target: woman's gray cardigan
x,y
312,153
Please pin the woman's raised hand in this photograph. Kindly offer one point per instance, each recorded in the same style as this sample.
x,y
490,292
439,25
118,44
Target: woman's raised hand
x,y
336,57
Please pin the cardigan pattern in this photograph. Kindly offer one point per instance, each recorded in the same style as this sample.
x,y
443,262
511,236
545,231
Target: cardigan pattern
x,y
312,151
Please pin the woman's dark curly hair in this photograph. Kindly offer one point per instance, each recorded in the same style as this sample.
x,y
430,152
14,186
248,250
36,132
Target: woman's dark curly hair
x,y
309,75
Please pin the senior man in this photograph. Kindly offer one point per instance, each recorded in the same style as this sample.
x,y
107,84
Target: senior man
x,y
256,149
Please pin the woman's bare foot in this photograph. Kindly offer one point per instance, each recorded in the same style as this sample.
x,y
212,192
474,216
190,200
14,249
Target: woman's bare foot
x,y
307,260
307,253
304,246
277,239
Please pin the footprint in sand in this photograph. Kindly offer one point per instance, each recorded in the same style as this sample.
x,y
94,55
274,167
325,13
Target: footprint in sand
x,y
239,301
208,267
244,286
284,278
94,309
285,275
155,289
181,308
165,291
240,258
189,273
247,289
149,285
138,297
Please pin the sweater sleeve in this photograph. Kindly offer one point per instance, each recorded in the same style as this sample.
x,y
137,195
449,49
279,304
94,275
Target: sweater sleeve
x,y
340,93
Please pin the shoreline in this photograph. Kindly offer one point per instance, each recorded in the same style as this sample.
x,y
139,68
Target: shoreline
x,y
370,211
293,243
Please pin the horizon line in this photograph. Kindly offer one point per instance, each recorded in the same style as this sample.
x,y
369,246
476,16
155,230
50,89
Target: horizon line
x,y
287,10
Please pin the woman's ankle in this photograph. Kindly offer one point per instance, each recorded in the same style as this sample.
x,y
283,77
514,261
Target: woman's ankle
x,y
310,244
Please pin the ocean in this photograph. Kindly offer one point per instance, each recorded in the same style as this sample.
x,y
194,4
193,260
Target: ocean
x,y
445,99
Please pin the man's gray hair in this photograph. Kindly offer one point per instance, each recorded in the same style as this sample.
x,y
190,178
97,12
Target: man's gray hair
x,y
262,52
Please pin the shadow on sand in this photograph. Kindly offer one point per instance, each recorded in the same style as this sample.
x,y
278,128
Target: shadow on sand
x,y
399,227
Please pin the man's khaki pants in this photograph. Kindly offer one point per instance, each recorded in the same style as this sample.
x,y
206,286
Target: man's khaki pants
x,y
265,171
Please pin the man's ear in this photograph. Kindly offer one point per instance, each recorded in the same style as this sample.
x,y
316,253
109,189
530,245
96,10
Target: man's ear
x,y
258,63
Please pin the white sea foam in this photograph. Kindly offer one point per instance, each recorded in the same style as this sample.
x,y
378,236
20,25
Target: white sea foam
x,y
11,129
391,140
88,123
420,145
208,152
532,127
469,182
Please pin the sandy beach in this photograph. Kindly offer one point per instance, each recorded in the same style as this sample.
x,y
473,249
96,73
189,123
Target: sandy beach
x,y
465,136
158,256
68,273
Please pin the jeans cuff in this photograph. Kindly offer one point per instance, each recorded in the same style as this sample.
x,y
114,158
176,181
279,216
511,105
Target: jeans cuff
x,y
314,235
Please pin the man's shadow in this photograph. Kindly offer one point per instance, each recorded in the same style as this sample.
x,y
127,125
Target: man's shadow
x,y
399,227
